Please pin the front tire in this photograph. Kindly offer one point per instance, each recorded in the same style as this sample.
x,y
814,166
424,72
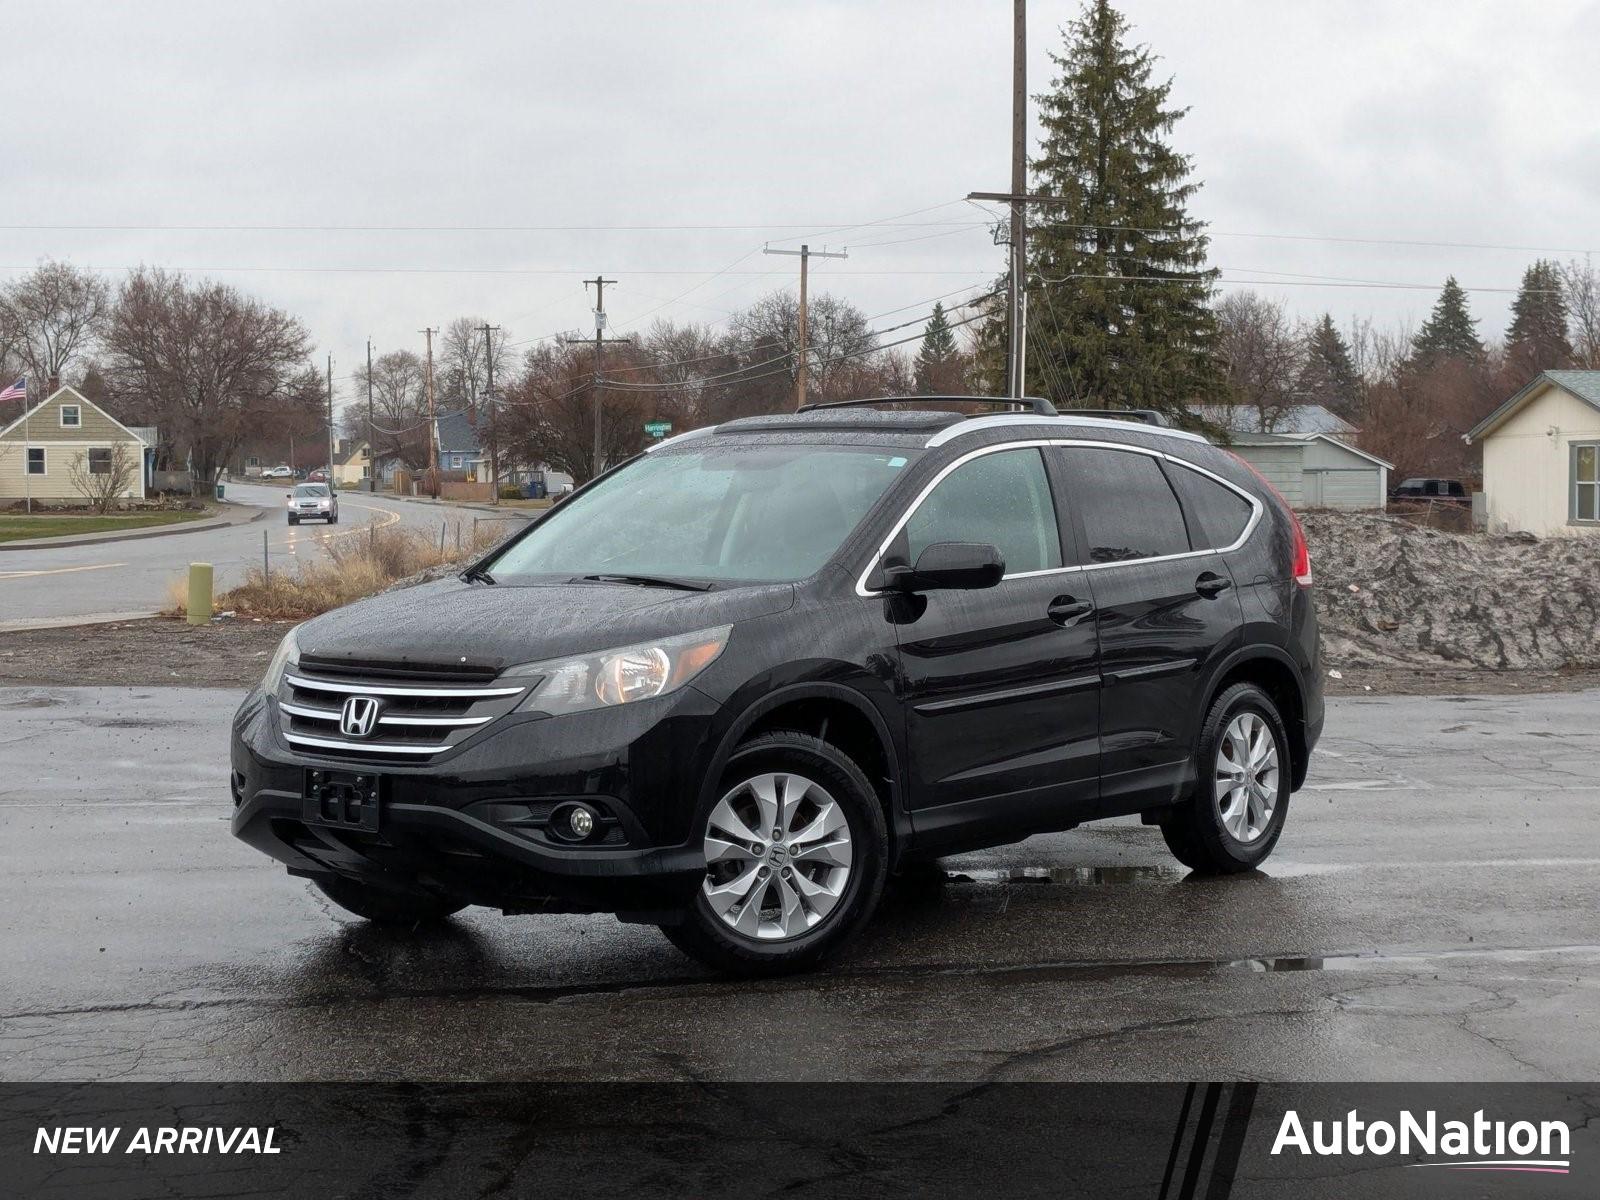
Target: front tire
x,y
1241,796
294,520
797,851
382,906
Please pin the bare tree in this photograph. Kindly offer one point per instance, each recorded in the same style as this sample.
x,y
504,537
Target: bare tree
x,y
461,372
836,334
399,408
215,365
1582,284
1261,353
51,319
103,476
548,414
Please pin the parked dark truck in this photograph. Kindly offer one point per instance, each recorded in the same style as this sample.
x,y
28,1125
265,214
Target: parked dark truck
x,y
728,686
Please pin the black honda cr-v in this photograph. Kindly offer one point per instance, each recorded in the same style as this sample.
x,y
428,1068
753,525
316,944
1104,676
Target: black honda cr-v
x,y
729,685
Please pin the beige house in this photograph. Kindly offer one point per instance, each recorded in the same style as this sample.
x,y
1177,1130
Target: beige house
x,y
1541,457
42,450
355,466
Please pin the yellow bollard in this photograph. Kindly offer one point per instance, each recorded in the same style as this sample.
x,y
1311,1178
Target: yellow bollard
x,y
199,593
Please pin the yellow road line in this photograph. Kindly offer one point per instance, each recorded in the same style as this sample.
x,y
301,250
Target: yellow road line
x,y
327,535
57,571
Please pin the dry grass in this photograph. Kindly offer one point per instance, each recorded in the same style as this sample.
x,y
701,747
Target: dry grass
x,y
357,564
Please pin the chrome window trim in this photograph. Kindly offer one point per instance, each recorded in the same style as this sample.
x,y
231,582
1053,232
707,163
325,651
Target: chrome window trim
x,y
1004,420
1256,507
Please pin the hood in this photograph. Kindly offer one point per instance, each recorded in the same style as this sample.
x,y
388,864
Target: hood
x,y
459,625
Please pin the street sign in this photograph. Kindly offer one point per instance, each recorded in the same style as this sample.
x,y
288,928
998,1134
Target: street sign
x,y
658,429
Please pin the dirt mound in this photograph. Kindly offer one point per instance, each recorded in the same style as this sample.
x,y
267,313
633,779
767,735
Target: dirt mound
x,y
1390,593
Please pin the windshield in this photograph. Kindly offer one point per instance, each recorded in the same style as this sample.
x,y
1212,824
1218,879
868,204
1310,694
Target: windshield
x,y
719,512
310,489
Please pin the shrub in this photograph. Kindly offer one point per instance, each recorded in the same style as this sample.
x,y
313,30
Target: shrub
x,y
358,563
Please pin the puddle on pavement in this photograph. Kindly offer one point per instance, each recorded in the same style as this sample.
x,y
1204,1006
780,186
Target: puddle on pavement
x,y
1070,876
1365,961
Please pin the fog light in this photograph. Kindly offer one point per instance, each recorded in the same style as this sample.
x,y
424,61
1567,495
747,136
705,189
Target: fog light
x,y
581,822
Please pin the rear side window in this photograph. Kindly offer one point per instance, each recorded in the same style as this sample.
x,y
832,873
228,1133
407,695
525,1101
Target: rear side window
x,y
1127,507
1217,515
1002,499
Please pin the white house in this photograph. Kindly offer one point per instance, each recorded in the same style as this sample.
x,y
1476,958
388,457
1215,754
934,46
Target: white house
x,y
1541,457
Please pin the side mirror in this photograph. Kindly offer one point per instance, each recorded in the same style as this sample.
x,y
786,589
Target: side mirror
x,y
950,566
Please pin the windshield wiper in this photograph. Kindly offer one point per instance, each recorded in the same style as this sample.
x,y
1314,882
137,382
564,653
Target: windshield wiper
x,y
662,581
478,574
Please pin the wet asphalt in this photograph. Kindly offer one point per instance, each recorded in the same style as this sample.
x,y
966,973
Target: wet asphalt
x,y
133,576
1430,914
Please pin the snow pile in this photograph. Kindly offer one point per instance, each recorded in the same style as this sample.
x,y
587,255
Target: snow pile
x,y
1390,593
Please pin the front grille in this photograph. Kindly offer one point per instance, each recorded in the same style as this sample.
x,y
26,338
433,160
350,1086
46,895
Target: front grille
x,y
418,716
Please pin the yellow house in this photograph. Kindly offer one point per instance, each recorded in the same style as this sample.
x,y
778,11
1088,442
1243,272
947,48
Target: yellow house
x,y
1541,457
357,466
46,453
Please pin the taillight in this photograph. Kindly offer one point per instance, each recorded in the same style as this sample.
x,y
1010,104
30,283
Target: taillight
x,y
1302,553
1300,566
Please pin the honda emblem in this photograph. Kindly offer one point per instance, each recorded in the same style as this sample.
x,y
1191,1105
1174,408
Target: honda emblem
x,y
359,718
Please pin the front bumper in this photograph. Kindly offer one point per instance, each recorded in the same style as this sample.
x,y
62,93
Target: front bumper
x,y
467,824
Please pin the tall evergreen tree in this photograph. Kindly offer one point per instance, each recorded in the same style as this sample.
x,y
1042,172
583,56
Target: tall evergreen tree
x,y
1449,331
1119,290
938,364
1328,376
1537,340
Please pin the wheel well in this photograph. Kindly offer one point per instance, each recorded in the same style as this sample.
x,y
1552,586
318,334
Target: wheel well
x,y
1278,681
842,725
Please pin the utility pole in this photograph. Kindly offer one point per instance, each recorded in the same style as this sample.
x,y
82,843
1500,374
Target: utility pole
x,y
433,422
1017,198
372,445
494,407
330,424
1019,185
599,341
805,254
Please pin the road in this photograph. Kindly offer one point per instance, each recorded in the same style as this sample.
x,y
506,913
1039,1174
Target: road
x,y
133,576
1429,915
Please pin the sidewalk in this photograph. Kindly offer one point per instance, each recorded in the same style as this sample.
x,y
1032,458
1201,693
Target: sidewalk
x,y
502,509
228,515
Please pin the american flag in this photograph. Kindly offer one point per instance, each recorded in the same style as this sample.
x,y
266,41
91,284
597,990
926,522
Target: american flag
x,y
17,391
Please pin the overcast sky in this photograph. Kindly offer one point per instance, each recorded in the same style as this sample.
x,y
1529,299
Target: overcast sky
x,y
1469,121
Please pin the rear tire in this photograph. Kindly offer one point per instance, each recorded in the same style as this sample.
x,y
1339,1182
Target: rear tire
x,y
794,910
384,907
1241,796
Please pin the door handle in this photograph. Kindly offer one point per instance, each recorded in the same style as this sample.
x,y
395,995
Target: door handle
x,y
1068,610
1211,584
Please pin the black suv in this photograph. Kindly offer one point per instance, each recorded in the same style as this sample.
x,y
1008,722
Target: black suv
x,y
728,686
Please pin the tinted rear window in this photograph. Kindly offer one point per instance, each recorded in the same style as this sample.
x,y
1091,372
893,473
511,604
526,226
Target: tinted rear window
x,y
1217,514
1127,507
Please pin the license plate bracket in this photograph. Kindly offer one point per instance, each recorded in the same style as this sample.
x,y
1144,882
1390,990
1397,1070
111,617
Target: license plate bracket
x,y
342,799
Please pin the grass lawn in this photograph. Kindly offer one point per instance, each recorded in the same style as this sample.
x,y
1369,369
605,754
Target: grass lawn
x,y
16,527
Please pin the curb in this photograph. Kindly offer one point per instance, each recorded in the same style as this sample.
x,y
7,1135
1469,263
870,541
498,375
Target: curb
x,y
132,535
26,624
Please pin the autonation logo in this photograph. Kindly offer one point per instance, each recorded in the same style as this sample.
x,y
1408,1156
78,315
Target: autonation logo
x,y
1476,1145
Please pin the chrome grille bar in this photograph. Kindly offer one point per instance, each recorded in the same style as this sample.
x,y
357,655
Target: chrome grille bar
x,y
301,739
368,689
332,714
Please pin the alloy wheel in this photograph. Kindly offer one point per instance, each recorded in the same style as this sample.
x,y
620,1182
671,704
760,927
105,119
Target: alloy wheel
x,y
1246,777
778,856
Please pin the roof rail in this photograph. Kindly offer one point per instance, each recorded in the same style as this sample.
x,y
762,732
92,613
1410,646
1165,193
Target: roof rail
x,y
1147,416
1039,406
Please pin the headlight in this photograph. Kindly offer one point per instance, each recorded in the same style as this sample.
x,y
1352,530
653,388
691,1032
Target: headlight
x,y
287,655
621,676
